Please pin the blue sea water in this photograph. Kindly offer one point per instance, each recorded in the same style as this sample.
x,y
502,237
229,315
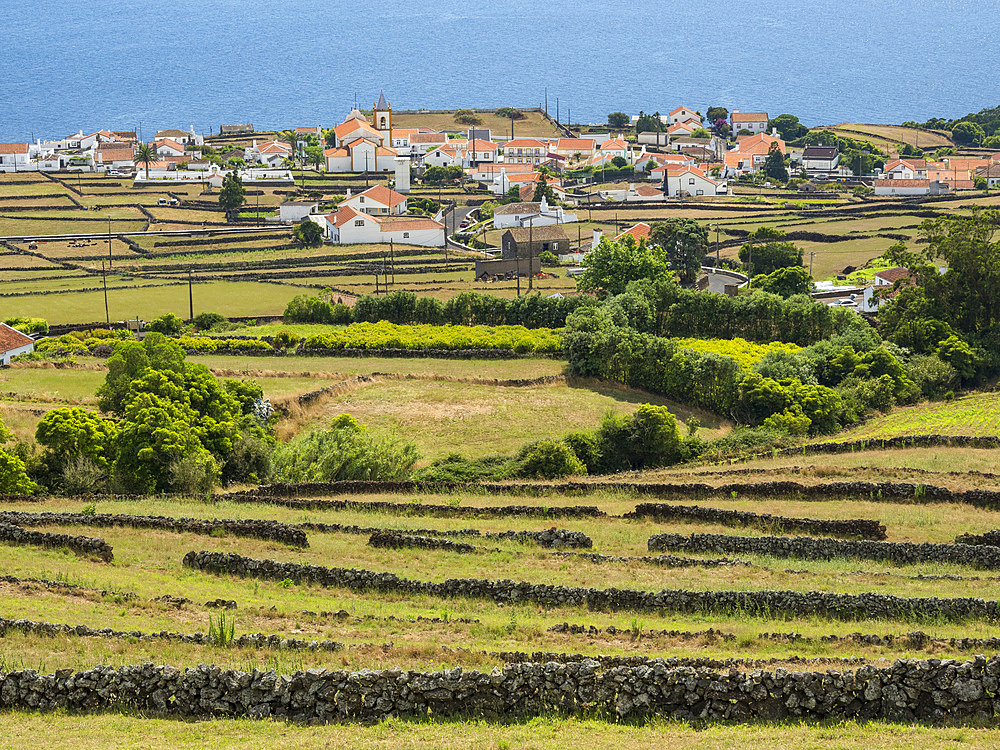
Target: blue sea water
x,y
153,64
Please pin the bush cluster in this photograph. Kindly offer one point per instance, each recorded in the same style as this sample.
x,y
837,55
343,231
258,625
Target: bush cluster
x,y
467,308
386,335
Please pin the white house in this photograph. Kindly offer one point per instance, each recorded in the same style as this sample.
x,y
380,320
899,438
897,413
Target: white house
x,y
361,155
184,137
905,169
820,159
114,158
292,212
525,151
642,193
683,114
453,153
682,128
534,214
270,153
378,201
482,151
14,157
168,147
692,181
13,343
571,147
614,147
754,122
909,187
347,226
421,143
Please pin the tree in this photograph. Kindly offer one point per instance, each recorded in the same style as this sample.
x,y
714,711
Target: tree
x,y
437,175
701,133
308,233
774,166
232,195
612,265
684,243
70,433
467,117
314,156
548,459
145,155
618,120
510,113
964,296
543,190
968,133
650,165
128,360
619,161
14,479
785,282
292,139
168,324
788,127
649,123
766,250
330,137
714,114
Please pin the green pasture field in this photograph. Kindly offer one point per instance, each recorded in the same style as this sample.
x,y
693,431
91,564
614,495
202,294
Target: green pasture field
x,y
69,732
228,298
977,414
343,368
533,124
478,420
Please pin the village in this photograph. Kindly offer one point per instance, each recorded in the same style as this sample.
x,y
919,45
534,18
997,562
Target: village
x,y
518,204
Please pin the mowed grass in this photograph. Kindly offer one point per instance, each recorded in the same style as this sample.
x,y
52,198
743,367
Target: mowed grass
x,y
344,367
976,414
227,298
64,731
479,420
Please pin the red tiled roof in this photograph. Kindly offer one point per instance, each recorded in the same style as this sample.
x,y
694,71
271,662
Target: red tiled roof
x,y
384,195
638,232
428,138
893,275
13,148
749,116
11,338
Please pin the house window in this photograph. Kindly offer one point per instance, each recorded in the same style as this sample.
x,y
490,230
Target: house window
x,y
691,181
406,235
359,223
361,199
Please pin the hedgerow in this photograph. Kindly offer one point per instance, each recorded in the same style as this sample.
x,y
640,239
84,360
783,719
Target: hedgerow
x,y
385,335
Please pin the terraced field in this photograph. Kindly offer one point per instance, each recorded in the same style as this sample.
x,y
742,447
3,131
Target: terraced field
x,y
976,414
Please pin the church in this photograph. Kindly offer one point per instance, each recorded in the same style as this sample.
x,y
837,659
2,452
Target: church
x,y
363,146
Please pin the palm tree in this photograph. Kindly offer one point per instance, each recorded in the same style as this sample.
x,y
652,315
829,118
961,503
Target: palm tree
x,y
145,155
292,139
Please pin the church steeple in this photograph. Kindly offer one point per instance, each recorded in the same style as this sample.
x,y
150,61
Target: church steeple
x,y
382,117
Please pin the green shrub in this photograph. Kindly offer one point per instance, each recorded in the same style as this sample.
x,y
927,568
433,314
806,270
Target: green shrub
x,y
206,321
28,325
549,459
457,468
931,375
169,325
344,451
286,340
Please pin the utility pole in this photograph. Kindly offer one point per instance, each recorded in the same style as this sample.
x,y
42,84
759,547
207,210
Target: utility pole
x,y
392,257
190,298
109,242
531,249
557,111
716,245
811,256
546,101
104,276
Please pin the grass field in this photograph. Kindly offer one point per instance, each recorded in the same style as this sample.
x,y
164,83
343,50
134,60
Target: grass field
x,y
533,124
455,405
976,414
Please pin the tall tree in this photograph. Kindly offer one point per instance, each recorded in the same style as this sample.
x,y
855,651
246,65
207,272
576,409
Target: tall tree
x,y
145,155
612,265
618,120
774,167
232,195
684,243
292,139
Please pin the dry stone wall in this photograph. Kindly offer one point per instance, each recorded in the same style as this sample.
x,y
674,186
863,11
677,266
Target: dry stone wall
x,y
548,538
763,603
256,529
82,545
808,548
908,690
858,528
392,540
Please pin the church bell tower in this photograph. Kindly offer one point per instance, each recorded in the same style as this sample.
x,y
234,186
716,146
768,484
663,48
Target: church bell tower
x,y
382,118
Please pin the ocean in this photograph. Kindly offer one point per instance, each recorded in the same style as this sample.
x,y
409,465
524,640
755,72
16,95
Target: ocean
x,y
152,64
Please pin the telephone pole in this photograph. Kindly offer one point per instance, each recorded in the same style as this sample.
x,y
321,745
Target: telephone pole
x,y
190,298
104,276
